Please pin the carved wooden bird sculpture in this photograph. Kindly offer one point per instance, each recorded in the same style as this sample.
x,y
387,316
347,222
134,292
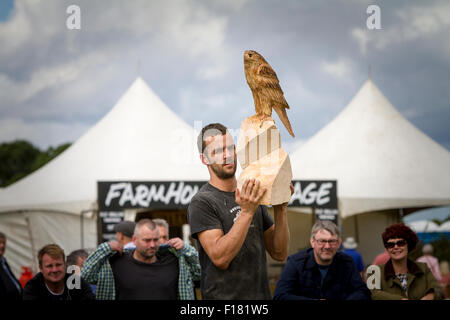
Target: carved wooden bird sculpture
x,y
266,89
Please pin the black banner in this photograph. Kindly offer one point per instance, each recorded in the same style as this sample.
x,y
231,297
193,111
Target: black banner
x,y
314,193
108,221
318,194
116,196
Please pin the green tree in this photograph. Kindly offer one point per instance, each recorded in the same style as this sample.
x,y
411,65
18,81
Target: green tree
x,y
20,158
16,160
48,155
442,248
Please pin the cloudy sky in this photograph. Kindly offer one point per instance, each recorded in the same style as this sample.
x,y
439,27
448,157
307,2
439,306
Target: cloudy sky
x,y
55,83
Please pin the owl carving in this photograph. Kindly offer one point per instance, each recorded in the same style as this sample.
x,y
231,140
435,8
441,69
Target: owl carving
x,y
266,90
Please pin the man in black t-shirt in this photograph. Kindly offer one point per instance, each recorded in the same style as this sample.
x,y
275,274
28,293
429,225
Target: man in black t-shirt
x,y
145,273
232,230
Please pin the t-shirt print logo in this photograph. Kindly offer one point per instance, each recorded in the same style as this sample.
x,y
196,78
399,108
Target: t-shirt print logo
x,y
235,210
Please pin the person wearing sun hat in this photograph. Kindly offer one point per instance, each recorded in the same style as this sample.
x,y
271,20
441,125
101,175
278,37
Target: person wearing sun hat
x,y
350,246
402,278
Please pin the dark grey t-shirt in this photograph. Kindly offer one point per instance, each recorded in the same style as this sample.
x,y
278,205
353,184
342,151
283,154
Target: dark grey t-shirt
x,y
246,276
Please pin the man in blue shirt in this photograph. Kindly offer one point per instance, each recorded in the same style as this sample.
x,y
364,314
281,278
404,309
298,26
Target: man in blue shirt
x,y
350,246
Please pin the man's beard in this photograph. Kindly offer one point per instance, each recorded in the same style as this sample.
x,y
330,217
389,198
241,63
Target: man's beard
x,y
146,254
326,258
221,173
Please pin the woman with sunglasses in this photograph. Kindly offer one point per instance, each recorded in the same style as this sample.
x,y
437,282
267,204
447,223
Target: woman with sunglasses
x,y
402,278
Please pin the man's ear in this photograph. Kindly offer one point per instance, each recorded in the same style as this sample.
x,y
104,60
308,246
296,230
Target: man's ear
x,y
204,159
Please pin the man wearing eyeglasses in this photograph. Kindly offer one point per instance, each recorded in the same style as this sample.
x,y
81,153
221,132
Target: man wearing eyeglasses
x,y
320,272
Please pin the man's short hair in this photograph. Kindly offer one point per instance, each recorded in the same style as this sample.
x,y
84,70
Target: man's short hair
x,y
53,250
144,222
212,129
330,226
2,235
72,258
161,223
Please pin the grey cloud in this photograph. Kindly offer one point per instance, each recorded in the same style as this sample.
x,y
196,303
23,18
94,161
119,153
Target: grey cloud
x,y
191,56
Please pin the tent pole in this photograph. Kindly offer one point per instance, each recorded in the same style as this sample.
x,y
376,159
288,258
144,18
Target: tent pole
x,y
99,228
313,216
356,229
33,249
400,215
82,229
82,213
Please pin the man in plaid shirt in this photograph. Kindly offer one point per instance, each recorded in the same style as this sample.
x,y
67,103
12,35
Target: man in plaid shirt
x,y
107,269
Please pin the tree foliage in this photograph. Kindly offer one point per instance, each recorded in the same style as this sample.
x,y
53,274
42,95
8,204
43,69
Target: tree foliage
x,y
439,222
441,249
20,158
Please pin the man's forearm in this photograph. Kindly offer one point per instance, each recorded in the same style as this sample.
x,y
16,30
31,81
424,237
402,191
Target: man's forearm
x,y
228,246
223,249
93,263
190,255
280,241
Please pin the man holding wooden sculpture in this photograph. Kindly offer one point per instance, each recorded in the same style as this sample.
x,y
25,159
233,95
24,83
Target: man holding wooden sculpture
x,y
228,216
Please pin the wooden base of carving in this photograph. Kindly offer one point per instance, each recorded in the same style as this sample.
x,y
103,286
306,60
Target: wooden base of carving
x,y
261,157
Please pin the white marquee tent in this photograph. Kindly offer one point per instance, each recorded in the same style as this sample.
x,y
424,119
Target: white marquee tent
x,y
424,226
429,226
445,227
381,163
139,139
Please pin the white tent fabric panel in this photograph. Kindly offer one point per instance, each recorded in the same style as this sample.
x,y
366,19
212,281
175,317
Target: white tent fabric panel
x,y
18,243
445,227
429,226
361,205
44,228
63,229
423,226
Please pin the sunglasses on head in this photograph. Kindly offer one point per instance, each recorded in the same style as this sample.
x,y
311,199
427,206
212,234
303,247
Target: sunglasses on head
x,y
399,243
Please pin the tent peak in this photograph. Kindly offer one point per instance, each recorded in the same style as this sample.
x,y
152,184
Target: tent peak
x,y
139,81
378,157
370,95
140,88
